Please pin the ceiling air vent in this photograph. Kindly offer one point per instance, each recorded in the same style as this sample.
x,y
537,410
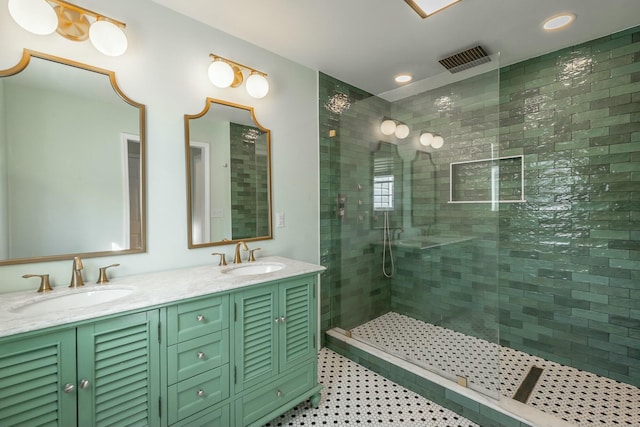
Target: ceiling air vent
x,y
465,59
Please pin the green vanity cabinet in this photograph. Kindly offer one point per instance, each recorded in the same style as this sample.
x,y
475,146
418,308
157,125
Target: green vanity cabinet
x,y
33,375
198,362
234,358
275,349
102,373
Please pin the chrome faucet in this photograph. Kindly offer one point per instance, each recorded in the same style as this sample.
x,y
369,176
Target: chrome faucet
x,y
76,273
237,259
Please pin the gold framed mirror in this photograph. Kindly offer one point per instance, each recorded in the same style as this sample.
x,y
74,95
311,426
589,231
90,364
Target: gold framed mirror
x,y
228,164
72,169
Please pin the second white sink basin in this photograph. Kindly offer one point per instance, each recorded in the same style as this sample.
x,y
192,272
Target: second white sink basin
x,y
253,268
76,298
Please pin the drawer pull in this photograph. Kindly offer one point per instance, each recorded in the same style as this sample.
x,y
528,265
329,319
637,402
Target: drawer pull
x,y
69,388
201,355
84,384
200,393
200,318
279,393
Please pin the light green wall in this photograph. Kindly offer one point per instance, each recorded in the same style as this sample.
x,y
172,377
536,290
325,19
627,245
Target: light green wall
x,y
165,68
65,196
4,237
217,135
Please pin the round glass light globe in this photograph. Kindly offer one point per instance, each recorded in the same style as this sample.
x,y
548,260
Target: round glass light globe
x,y
387,127
257,86
438,141
426,139
402,131
108,38
221,74
35,16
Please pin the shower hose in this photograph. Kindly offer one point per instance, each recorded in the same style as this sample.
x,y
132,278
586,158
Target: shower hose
x,y
386,244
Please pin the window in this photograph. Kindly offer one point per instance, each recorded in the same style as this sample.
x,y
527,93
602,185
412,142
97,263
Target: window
x,y
383,193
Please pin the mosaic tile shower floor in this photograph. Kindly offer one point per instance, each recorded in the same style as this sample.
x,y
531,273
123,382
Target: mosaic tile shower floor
x,y
353,395
579,397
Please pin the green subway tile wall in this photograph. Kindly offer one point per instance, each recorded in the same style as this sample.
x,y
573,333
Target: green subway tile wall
x,y
353,291
557,276
249,183
570,256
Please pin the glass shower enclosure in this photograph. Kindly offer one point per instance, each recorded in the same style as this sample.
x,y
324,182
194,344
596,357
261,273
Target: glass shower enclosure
x,y
413,252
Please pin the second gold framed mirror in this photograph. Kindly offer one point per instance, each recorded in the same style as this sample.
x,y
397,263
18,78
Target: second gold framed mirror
x,y
228,164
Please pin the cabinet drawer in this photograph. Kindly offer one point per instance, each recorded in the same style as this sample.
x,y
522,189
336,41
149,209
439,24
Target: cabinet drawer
x,y
198,355
280,391
197,393
220,417
196,318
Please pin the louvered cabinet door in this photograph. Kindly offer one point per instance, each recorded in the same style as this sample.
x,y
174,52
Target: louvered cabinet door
x,y
256,336
33,375
118,371
297,305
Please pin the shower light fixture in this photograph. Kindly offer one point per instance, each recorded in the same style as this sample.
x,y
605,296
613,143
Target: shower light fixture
x,y
426,8
558,22
428,139
403,78
224,72
72,22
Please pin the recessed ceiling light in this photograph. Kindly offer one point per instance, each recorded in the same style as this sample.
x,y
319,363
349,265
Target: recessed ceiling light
x,y
426,8
403,78
558,22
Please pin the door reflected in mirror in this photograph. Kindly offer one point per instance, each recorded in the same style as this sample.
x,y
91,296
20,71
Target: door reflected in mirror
x,y
72,163
228,175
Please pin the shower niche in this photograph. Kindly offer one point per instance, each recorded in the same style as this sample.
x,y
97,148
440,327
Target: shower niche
x,y
487,181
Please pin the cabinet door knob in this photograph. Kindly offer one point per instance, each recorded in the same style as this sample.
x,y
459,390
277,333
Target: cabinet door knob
x,y
84,384
278,393
200,393
283,319
200,318
69,388
201,355
276,320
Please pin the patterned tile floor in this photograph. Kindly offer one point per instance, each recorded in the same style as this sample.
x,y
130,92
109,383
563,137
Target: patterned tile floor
x,y
353,395
579,397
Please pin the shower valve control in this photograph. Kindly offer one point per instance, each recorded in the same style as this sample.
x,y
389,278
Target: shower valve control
x,y
342,205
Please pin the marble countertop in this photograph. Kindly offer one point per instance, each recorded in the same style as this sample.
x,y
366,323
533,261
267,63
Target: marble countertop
x,y
146,290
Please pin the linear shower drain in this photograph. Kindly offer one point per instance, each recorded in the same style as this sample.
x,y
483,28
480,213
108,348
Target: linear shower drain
x,y
527,385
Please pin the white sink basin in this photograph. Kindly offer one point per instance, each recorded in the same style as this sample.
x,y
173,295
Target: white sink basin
x,y
253,268
76,298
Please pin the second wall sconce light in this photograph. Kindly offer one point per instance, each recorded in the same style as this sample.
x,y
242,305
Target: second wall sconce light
x,y
429,139
72,22
225,73
390,126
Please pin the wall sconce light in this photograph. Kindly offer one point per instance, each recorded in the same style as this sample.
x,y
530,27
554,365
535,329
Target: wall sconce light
x,y
72,22
402,131
224,72
390,127
429,139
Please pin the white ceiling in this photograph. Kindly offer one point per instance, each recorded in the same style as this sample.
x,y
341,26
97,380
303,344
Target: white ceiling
x,y
367,42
